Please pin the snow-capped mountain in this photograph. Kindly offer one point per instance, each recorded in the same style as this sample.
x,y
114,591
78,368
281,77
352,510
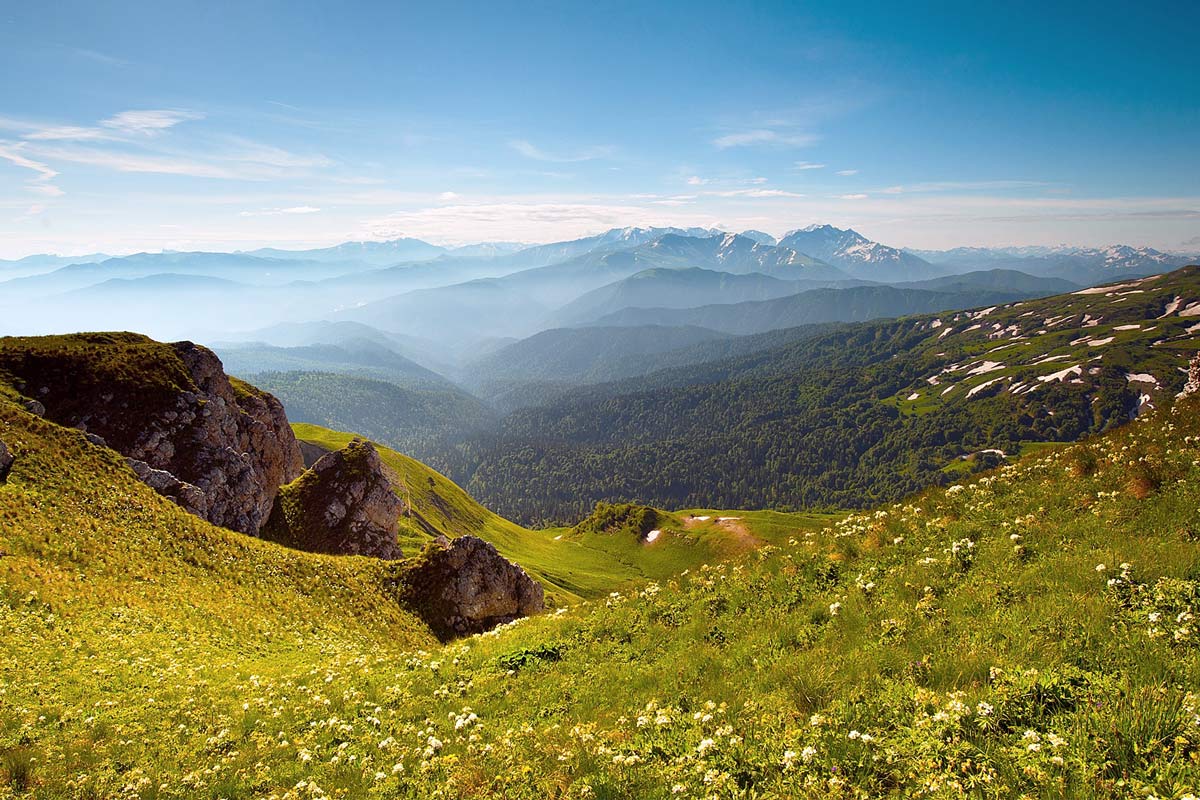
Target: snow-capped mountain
x,y
760,237
858,255
380,254
732,252
1082,265
611,240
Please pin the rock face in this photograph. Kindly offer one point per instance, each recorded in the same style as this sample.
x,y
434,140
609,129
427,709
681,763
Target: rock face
x,y
1193,380
6,462
219,448
183,494
464,586
342,505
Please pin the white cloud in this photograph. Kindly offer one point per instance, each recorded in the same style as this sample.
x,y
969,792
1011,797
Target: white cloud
x,y
696,180
252,152
954,186
251,163
528,221
73,133
853,196
41,183
754,193
447,196
529,150
135,162
148,122
803,165
276,212
764,137
847,172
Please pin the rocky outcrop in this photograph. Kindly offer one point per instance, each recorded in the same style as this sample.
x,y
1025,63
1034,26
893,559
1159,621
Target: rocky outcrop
x,y
342,505
190,497
1193,380
465,586
218,447
6,462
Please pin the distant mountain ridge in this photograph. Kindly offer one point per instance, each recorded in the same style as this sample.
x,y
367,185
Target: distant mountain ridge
x,y
853,304
1083,265
858,255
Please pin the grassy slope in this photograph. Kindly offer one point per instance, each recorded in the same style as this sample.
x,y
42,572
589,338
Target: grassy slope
x,y
110,595
966,642
569,564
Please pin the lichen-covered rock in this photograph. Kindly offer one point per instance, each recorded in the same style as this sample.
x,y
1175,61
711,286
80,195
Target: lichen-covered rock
x,y
465,586
6,462
342,505
170,406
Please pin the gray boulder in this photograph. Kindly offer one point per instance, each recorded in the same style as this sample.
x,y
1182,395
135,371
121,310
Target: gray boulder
x,y
465,586
342,505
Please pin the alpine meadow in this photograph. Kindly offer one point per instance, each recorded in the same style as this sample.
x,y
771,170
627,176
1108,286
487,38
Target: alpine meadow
x,y
599,401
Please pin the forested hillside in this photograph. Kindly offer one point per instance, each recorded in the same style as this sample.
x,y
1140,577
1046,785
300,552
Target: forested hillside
x,y
850,418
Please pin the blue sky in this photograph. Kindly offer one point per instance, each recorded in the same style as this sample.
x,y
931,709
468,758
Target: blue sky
x,y
136,125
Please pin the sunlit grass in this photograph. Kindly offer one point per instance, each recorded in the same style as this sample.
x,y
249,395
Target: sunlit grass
x,y
1030,632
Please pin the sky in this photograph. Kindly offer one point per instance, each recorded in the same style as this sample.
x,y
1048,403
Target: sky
x,y
139,125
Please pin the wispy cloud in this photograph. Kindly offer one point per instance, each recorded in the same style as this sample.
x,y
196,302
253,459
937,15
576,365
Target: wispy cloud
x,y
845,173
853,196
765,137
41,183
122,161
74,133
234,158
125,126
98,57
696,180
533,220
529,150
806,165
276,212
148,122
754,193
962,186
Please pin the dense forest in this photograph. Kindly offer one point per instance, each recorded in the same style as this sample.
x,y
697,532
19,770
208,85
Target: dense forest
x,y
420,423
808,426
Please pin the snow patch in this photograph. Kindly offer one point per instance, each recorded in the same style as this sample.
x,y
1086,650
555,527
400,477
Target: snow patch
x,y
1172,306
1061,375
985,367
1108,289
983,386
652,535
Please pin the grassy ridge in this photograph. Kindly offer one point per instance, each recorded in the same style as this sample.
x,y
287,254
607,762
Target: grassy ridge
x,y
571,564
